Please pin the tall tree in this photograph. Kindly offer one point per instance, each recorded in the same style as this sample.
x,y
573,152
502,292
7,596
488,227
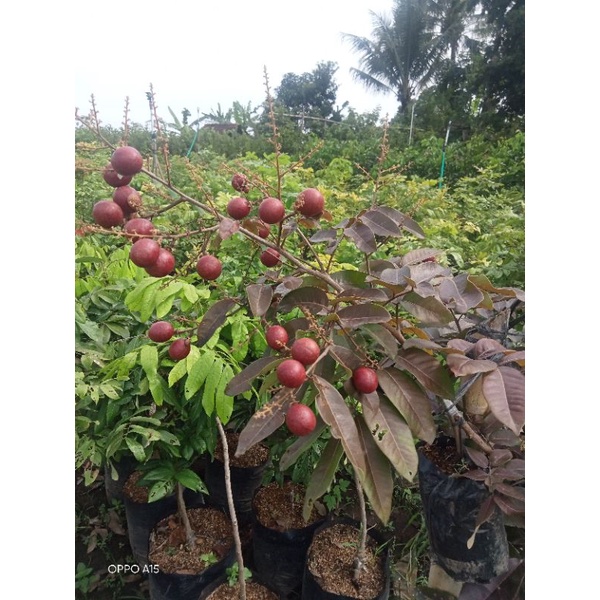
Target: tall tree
x,y
401,55
311,93
503,74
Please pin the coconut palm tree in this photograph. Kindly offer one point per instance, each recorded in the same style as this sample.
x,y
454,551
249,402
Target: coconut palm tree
x,y
406,51
402,54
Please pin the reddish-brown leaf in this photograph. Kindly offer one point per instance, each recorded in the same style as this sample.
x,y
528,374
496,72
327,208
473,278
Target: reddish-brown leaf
x,y
290,456
518,357
504,390
427,370
402,220
419,255
363,295
393,437
410,401
377,480
259,298
313,298
387,342
362,236
323,474
483,283
242,382
363,314
462,365
214,318
345,357
265,421
227,227
380,224
429,311
336,413
478,457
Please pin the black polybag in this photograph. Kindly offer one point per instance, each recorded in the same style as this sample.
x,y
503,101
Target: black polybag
x,y
279,556
451,505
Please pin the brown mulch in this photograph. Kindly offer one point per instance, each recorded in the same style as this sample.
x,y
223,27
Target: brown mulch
x,y
253,457
331,561
214,539
280,507
254,591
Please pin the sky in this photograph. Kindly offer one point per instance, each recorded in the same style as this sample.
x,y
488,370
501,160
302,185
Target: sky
x,y
197,55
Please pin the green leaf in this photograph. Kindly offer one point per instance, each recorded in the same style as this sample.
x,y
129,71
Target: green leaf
x,y
110,391
136,449
223,402
117,329
198,373
156,385
190,480
135,299
159,490
149,360
210,386
177,372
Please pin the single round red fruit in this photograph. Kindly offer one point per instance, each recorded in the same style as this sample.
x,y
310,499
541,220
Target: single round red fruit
x,y
164,265
271,210
179,349
310,202
240,183
238,208
300,419
277,337
291,373
144,253
113,178
107,213
209,267
161,331
127,198
264,230
127,160
365,380
139,225
270,257
305,350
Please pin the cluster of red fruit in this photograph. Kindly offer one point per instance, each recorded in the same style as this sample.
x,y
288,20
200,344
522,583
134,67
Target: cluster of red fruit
x,y
145,252
309,203
163,331
291,373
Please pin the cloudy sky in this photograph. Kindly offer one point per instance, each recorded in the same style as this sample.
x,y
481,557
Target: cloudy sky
x,y
197,55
